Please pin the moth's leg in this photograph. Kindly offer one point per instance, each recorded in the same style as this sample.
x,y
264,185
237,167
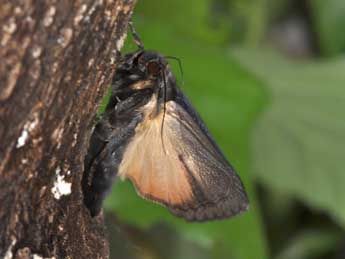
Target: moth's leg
x,y
98,143
103,175
108,142
105,166
99,164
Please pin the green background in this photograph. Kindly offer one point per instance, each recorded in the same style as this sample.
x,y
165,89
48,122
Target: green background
x,y
279,120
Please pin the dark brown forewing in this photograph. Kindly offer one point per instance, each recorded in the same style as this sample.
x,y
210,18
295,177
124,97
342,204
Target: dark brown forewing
x,y
217,190
183,170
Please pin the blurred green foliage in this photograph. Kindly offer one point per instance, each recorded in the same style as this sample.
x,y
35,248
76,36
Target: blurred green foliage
x,y
189,19
309,244
298,144
280,122
329,17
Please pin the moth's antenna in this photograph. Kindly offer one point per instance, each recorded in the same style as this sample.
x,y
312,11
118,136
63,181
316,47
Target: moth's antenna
x,y
164,110
136,37
179,64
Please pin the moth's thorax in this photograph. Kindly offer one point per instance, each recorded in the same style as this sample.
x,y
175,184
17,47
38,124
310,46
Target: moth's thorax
x,y
151,111
140,84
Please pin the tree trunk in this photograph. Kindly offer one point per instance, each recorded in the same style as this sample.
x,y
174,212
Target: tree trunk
x,y
57,59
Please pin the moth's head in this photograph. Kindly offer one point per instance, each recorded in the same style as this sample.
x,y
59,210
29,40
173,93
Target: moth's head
x,y
148,71
152,64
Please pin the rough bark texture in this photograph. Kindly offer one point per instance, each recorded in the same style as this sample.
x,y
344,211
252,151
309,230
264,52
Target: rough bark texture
x,y
57,59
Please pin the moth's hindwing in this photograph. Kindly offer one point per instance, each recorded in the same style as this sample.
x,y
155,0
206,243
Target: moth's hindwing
x,y
180,167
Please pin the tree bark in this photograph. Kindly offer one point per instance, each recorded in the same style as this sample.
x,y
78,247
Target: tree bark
x,y
57,59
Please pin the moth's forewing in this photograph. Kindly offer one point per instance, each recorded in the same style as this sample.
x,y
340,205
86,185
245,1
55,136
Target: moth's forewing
x,y
182,167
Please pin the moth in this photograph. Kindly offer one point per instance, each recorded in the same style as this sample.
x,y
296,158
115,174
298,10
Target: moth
x,y
151,134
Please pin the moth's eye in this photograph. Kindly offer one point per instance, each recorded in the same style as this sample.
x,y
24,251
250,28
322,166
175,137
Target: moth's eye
x,y
153,68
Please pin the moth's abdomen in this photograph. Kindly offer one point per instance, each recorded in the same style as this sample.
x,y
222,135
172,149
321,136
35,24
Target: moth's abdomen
x,y
94,182
107,145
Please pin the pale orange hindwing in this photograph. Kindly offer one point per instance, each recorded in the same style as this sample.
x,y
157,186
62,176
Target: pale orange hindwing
x,y
152,163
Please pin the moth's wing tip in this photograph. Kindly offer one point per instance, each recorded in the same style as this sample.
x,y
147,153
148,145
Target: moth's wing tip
x,y
220,211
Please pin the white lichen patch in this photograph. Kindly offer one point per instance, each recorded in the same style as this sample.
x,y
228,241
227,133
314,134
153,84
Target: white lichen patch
x,y
75,139
36,51
121,41
8,29
22,139
24,161
57,135
11,27
28,19
90,12
108,13
66,36
61,187
60,227
92,9
49,16
54,67
18,10
80,14
28,127
112,60
36,256
9,254
91,61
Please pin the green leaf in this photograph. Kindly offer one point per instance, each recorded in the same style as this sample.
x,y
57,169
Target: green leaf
x,y
310,244
329,19
228,99
190,19
298,143
211,21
